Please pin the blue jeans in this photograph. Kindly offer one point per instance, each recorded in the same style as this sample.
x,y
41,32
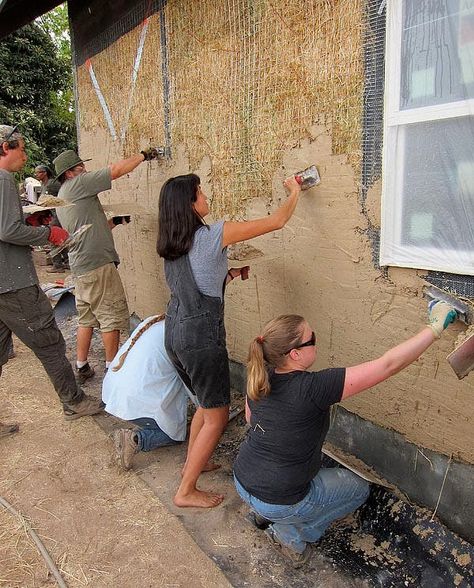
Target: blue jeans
x,y
334,493
150,436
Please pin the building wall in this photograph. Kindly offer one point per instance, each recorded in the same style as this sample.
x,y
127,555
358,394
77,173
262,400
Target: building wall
x,y
255,95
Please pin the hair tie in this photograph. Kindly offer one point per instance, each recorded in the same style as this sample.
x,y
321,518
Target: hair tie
x,y
260,339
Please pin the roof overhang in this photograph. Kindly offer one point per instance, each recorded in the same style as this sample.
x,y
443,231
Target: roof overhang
x,y
16,13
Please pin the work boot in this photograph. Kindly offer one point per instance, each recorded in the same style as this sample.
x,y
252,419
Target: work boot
x,y
56,270
126,446
85,407
258,521
84,373
8,429
296,559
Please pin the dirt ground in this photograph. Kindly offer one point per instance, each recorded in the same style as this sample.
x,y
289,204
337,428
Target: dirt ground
x,y
102,527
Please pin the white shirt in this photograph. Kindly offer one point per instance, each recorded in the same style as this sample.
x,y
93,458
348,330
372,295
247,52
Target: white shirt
x,y
147,385
30,184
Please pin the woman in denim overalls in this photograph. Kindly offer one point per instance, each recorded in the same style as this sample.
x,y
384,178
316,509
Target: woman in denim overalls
x,y
196,268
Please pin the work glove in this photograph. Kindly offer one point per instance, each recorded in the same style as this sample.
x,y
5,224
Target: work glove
x,y
153,153
40,218
441,314
57,235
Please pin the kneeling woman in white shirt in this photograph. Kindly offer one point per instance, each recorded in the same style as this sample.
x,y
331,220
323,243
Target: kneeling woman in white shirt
x,y
142,386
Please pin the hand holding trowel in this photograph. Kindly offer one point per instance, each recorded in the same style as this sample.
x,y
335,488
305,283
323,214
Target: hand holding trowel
x,y
37,216
462,358
72,239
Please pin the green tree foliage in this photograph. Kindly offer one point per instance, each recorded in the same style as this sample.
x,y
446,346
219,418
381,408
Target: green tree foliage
x,y
36,88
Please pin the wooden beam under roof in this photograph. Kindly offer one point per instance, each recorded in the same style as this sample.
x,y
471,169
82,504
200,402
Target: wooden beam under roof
x,y
14,14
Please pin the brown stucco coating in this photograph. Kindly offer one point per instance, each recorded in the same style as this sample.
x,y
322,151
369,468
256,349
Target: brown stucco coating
x,y
320,265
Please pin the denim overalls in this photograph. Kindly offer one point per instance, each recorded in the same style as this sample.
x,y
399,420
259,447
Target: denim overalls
x,y
195,336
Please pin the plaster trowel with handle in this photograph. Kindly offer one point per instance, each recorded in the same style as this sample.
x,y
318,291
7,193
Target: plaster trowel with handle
x,y
462,358
71,240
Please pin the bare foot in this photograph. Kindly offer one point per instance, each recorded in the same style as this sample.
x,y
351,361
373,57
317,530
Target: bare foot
x,y
198,498
209,467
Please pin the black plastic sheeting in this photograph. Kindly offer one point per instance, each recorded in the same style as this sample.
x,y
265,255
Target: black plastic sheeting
x,y
399,546
98,23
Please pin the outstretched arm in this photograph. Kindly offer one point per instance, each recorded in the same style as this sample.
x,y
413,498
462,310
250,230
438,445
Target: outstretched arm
x,y
234,232
125,166
365,375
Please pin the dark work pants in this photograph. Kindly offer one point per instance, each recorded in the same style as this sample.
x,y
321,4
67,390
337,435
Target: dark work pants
x,y
27,313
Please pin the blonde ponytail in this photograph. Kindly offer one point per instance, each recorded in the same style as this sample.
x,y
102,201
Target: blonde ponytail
x,y
269,349
150,323
257,375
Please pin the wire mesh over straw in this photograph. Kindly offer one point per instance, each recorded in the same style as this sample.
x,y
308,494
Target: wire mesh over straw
x,y
248,78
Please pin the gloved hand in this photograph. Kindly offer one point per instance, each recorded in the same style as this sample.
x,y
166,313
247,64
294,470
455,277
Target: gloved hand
x,y
441,314
37,219
57,235
153,153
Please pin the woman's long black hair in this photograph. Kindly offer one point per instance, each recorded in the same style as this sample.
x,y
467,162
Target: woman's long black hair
x,y
177,219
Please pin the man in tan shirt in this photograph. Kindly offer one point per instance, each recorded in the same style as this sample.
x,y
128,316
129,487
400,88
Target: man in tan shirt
x,y
100,297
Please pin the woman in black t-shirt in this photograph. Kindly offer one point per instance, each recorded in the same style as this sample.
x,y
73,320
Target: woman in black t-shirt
x,y
278,469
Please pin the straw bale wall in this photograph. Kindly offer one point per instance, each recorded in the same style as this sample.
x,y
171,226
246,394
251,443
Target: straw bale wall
x,y
257,90
247,81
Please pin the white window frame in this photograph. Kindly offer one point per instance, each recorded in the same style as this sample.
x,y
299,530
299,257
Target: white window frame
x,y
392,168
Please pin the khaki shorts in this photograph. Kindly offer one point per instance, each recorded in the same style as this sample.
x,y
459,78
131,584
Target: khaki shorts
x,y
100,300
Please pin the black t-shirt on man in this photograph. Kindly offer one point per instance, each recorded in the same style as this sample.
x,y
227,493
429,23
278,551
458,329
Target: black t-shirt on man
x,y
282,451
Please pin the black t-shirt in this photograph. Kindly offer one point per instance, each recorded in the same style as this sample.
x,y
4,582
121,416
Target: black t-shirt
x,y
282,451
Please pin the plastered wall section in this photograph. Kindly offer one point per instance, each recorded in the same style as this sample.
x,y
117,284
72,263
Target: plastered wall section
x,y
320,265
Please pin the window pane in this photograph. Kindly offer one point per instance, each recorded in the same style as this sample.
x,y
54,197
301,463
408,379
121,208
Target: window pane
x,y
438,185
437,62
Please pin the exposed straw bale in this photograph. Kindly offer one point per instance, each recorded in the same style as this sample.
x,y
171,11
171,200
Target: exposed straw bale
x,y
113,69
248,80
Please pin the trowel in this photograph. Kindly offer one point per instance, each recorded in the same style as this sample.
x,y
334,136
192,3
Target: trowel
x,y
71,240
462,358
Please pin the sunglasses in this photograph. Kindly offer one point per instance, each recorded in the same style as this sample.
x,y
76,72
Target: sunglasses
x,y
10,135
310,343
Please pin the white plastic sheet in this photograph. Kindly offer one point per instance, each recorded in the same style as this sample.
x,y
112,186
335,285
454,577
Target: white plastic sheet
x,y
428,167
